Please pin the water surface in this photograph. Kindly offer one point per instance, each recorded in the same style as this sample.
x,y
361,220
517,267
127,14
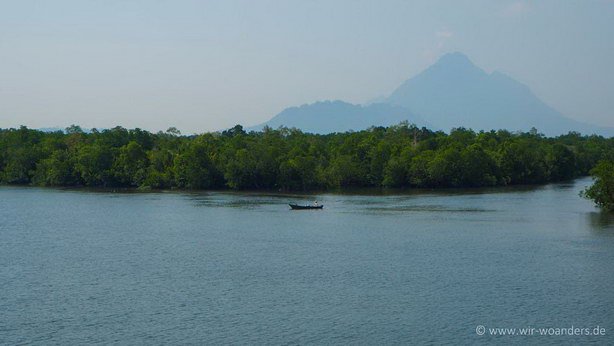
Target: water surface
x,y
82,267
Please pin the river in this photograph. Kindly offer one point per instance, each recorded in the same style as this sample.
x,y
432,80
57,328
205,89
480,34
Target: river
x,y
79,266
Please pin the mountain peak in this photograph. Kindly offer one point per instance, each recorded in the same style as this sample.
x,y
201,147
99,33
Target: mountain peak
x,y
454,67
454,92
454,58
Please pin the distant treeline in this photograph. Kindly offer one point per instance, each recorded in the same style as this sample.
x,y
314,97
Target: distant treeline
x,y
288,159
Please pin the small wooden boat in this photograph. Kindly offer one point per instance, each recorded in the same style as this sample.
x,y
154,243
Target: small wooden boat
x,y
305,207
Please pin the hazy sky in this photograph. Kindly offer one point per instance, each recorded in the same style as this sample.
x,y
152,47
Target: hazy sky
x,y
207,65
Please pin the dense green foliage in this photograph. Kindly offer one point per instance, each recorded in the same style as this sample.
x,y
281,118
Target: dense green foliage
x,y
602,191
288,159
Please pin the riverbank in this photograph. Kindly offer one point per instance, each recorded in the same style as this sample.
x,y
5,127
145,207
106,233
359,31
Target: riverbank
x,y
366,191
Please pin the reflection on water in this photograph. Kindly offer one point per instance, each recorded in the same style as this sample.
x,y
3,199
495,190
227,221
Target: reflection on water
x,y
245,201
602,222
429,208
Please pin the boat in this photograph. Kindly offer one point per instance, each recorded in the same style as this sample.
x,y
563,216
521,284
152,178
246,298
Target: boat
x,y
305,207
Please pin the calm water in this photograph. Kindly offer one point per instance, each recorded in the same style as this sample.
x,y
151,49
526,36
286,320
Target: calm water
x,y
82,267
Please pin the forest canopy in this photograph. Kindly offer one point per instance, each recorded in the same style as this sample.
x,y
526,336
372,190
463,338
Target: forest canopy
x,y
288,159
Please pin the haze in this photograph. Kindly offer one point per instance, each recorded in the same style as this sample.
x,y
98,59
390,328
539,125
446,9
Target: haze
x,y
203,66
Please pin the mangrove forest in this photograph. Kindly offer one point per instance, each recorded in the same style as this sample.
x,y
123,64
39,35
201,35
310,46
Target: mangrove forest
x,y
401,156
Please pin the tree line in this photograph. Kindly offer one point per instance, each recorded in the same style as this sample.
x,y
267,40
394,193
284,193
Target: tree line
x,y
287,159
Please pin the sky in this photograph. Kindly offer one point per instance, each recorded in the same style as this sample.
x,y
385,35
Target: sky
x,y
208,65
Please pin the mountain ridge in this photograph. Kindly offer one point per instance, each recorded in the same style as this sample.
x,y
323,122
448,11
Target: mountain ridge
x,y
452,92
339,116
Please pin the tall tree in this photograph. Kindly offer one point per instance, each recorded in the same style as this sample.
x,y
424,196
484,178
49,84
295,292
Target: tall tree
x,y
602,190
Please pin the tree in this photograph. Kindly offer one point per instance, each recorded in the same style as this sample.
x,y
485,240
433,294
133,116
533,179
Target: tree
x,y
19,166
419,169
345,171
524,162
235,131
602,190
194,168
478,167
562,162
93,165
21,152
299,173
445,168
56,170
130,167
159,173
397,169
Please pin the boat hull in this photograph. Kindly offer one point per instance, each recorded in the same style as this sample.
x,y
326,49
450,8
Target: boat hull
x,y
305,207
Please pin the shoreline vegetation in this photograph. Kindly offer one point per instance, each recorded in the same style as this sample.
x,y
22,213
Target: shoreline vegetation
x,y
400,156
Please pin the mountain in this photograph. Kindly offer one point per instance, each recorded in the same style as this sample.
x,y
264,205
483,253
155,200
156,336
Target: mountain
x,y
339,116
454,92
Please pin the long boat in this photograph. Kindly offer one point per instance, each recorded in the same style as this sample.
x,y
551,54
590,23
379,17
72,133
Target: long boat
x,y
305,207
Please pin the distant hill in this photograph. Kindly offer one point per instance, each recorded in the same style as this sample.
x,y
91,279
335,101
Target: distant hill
x,y
62,129
339,116
454,92
51,129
